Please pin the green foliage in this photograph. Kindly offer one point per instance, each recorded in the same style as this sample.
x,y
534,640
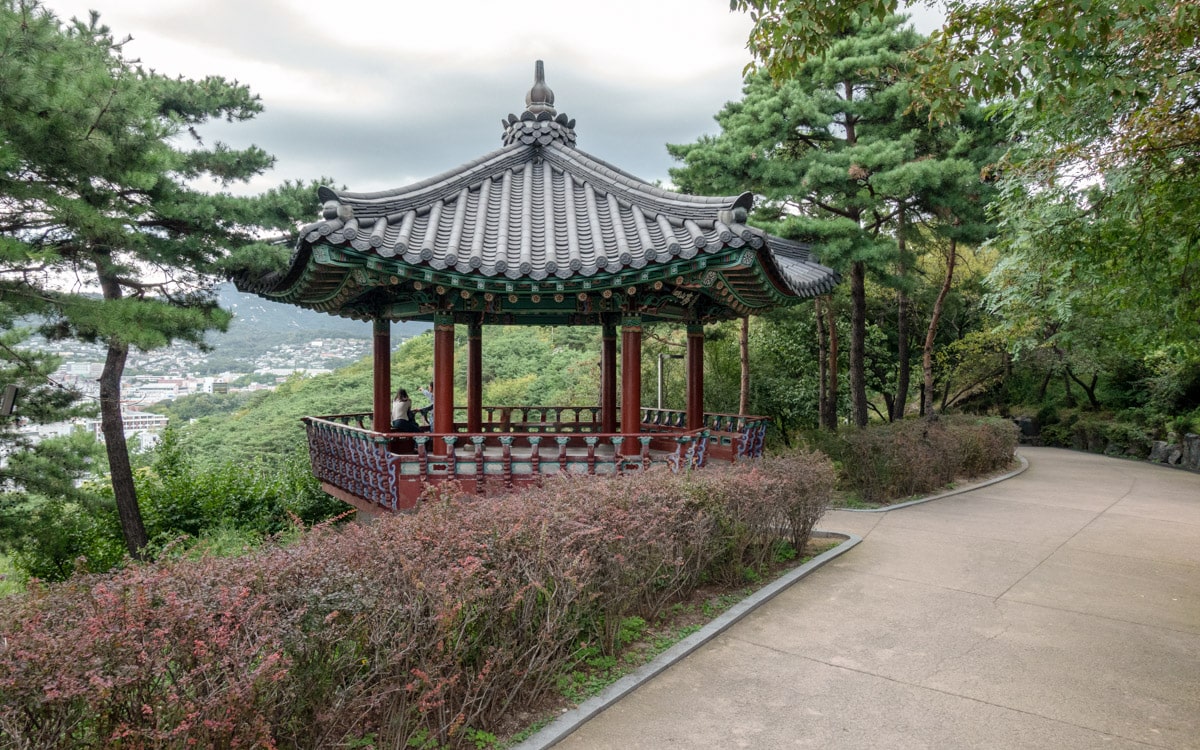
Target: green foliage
x,y
1121,72
181,496
102,176
57,539
1097,227
221,507
885,463
268,426
196,405
970,367
50,468
843,163
1097,433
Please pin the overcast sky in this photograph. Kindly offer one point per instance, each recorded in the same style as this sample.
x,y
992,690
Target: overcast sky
x,y
378,94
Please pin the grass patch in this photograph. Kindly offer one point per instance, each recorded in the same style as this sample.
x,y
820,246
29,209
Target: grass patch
x,y
11,579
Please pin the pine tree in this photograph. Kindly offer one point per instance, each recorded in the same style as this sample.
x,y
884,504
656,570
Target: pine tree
x,y
106,232
843,163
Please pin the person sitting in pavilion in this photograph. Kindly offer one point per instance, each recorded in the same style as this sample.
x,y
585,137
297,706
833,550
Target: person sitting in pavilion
x,y
402,415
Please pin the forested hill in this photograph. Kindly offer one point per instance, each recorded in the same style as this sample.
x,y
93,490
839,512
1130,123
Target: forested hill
x,y
260,326
254,316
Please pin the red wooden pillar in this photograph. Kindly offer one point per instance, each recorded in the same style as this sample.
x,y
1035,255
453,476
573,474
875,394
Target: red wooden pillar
x,y
381,351
443,380
608,377
474,376
695,376
631,383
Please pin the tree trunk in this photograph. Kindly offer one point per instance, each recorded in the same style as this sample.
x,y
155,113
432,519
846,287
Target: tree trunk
x,y
931,333
822,366
858,304
858,345
113,427
1066,379
1089,391
831,394
744,357
905,369
1045,386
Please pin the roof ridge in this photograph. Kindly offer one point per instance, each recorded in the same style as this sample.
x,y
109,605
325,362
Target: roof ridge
x,y
451,178
680,204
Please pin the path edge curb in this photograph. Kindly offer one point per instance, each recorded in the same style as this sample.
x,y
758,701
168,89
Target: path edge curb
x,y
567,723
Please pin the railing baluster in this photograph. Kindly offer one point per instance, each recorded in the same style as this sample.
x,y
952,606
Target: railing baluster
x,y
480,485
535,458
451,456
422,456
591,453
506,448
562,452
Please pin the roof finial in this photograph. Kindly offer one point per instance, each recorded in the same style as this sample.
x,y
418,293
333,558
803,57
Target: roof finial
x,y
540,98
539,124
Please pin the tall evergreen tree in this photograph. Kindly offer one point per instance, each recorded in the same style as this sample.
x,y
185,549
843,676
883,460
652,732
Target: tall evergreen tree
x,y
107,232
843,163
1098,201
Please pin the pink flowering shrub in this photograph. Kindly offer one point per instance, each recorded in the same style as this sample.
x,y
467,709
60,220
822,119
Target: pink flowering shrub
x,y
406,631
157,656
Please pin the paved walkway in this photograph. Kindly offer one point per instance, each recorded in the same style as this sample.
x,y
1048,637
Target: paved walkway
x,y
1058,609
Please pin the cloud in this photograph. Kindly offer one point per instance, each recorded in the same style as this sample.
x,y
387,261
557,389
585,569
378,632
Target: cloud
x,y
378,95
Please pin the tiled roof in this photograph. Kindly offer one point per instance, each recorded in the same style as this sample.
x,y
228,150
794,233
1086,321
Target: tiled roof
x,y
540,210
536,212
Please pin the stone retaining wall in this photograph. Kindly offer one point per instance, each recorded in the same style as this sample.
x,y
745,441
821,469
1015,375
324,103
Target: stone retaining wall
x,y
1185,453
1182,451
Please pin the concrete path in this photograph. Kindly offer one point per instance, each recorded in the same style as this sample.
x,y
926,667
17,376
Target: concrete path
x,y
1058,609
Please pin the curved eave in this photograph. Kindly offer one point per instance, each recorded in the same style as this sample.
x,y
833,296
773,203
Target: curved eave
x,y
712,286
792,266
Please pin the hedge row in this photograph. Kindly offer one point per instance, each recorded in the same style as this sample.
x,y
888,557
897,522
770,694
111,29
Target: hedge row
x,y
412,631
898,460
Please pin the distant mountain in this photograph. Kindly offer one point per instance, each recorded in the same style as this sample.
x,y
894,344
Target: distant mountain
x,y
254,315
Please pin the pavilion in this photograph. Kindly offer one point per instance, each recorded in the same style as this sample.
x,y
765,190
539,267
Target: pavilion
x,y
534,233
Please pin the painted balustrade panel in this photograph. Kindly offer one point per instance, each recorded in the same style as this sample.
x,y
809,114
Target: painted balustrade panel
x,y
355,461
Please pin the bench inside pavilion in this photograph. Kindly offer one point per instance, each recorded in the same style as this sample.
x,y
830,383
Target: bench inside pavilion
x,y
536,233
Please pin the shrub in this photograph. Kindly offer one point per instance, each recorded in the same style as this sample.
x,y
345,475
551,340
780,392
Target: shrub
x,y
178,498
156,656
417,630
888,462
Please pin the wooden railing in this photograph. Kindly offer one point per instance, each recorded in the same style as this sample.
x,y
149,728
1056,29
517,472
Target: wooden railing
x,y
517,445
348,457
546,419
731,437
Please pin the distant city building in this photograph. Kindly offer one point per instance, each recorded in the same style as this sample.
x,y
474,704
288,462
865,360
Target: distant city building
x,y
83,369
143,425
